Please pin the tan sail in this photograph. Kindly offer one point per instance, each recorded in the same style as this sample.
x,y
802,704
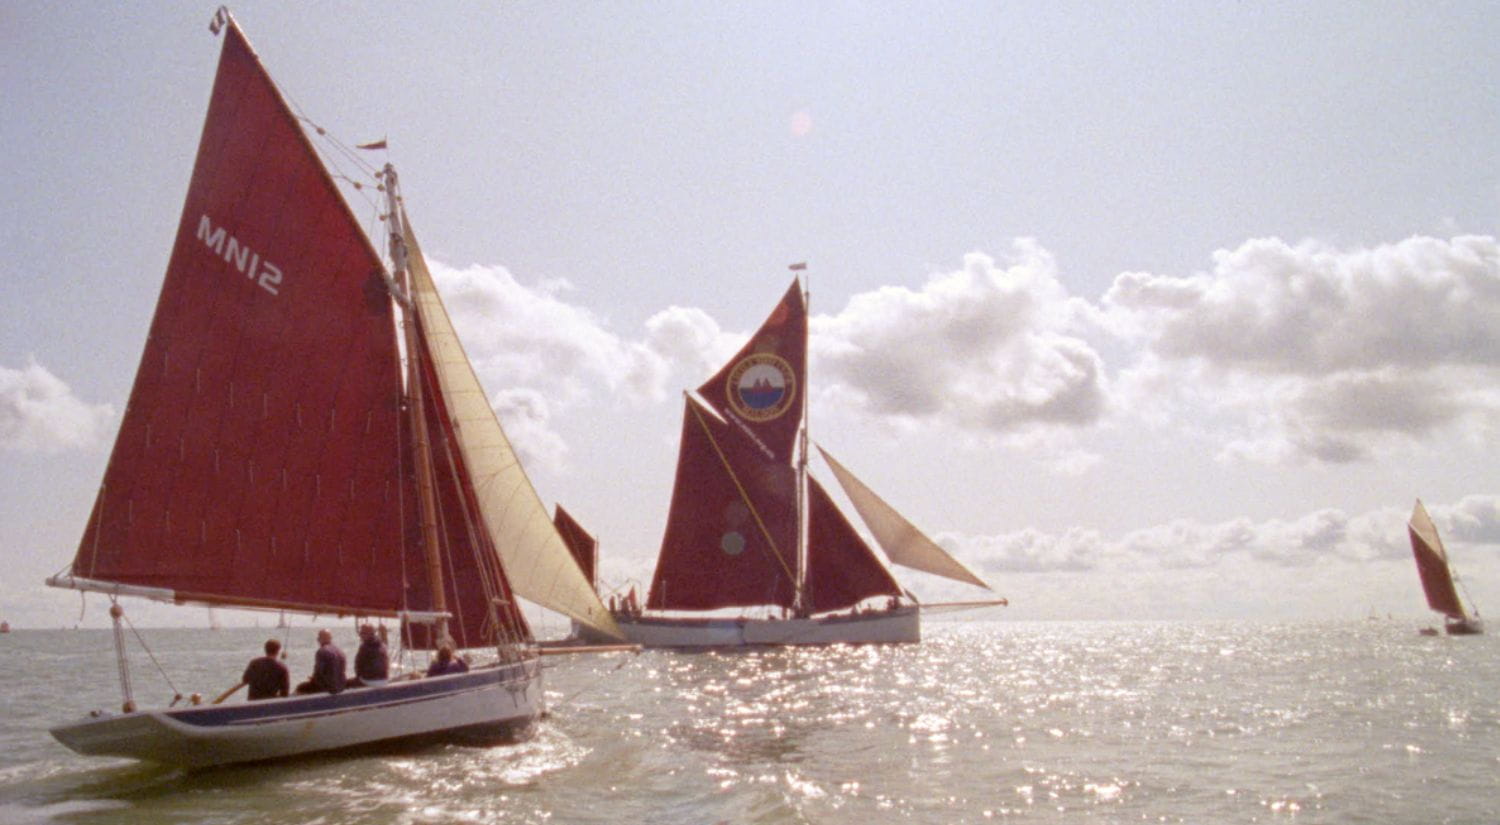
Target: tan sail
x,y
536,558
902,542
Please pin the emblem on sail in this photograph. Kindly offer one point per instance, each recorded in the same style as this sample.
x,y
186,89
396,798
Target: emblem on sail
x,y
761,387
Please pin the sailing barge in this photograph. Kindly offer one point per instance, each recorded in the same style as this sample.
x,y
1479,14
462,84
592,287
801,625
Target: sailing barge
x,y
750,528
1437,575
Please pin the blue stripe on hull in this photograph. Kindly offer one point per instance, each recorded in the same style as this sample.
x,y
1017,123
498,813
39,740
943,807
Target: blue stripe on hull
x,y
322,704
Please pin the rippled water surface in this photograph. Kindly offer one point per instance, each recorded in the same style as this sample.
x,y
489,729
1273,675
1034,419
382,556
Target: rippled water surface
x,y
1049,722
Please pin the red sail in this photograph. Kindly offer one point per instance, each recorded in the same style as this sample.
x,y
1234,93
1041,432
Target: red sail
x,y
731,537
256,462
1432,565
473,579
841,569
762,385
584,547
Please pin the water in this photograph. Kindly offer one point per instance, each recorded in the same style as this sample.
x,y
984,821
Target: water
x,y
1357,722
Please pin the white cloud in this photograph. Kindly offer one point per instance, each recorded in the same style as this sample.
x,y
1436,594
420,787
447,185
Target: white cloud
x,y
1474,519
518,335
40,413
690,340
1324,562
539,355
528,424
1278,354
1030,551
1309,353
989,349
1318,536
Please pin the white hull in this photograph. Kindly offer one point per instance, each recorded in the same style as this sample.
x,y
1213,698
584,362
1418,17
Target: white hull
x,y
899,626
485,706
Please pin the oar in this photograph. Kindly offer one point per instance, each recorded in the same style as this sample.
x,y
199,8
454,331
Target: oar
x,y
228,693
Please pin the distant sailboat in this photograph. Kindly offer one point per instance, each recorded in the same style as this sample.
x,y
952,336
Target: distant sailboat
x,y
1437,577
4,627
749,527
276,454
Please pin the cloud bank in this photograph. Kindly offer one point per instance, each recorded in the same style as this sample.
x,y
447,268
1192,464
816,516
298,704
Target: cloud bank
x,y
40,413
1321,535
992,347
1325,563
1278,353
1308,353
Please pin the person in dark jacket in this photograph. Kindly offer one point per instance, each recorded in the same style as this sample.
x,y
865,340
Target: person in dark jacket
x,y
372,665
328,667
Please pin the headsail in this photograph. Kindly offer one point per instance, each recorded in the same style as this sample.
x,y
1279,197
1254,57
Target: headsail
x,y
842,571
899,538
269,392
476,591
1432,564
536,558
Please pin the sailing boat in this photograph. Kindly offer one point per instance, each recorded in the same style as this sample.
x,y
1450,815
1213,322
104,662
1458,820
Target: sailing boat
x,y
748,526
1437,577
275,454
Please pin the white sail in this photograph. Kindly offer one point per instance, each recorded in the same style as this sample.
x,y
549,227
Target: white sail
x,y
536,558
902,542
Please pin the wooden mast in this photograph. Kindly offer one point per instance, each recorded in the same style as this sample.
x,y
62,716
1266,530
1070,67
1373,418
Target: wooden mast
x,y
416,408
801,601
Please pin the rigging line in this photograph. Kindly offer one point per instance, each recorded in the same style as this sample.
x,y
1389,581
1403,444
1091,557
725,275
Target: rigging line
x,y
445,549
221,17
744,494
300,114
1467,597
402,526
330,149
480,544
145,647
97,526
446,445
322,132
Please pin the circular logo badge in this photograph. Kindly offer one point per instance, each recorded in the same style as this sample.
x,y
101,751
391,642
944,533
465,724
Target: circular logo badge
x,y
761,386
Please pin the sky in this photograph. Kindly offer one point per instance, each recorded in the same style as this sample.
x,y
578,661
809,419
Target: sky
x,y
1144,311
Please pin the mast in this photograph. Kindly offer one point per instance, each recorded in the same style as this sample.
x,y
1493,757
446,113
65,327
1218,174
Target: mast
x,y
427,497
802,601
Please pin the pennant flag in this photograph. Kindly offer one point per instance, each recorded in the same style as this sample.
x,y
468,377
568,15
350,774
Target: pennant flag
x,y
798,267
379,144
